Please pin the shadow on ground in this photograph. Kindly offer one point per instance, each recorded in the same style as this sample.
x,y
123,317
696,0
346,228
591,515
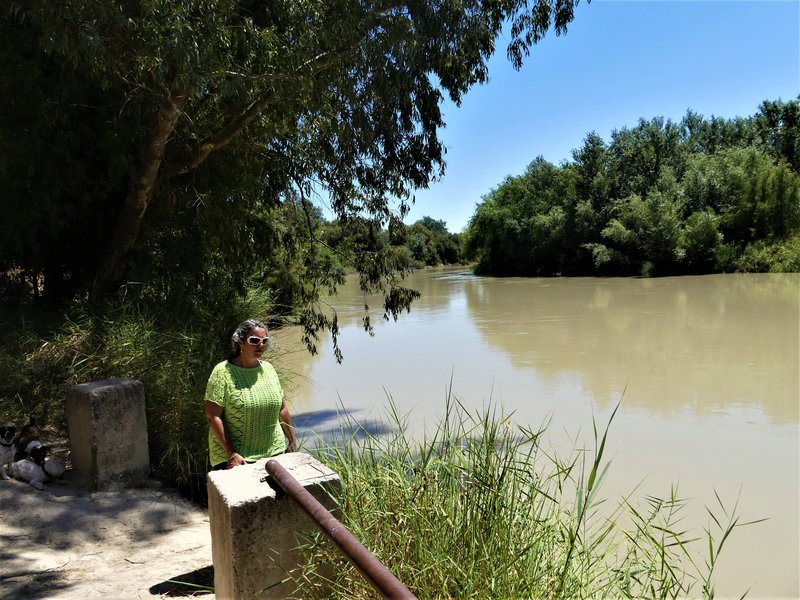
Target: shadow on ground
x,y
186,584
68,542
325,427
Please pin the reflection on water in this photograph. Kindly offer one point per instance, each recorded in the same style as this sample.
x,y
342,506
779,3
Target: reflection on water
x,y
708,367
691,343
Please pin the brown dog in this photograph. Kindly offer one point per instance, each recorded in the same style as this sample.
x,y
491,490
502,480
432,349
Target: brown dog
x,y
28,444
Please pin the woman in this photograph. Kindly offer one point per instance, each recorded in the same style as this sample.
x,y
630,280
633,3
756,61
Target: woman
x,y
244,403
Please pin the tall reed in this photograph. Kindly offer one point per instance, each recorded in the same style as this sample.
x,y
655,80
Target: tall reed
x,y
479,509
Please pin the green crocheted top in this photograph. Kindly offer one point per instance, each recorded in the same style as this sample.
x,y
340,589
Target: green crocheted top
x,y
251,400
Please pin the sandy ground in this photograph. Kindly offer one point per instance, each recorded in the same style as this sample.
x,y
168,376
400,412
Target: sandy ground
x,y
65,542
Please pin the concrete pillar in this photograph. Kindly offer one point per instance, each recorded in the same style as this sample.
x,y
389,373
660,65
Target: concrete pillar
x,y
108,433
254,532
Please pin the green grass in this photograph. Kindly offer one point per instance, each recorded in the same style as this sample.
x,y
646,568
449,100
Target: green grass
x,y
479,508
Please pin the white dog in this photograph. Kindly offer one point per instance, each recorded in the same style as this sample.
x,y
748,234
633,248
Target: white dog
x,y
53,467
27,470
30,471
7,449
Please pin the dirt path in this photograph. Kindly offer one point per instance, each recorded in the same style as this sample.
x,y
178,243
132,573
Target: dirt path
x,y
64,542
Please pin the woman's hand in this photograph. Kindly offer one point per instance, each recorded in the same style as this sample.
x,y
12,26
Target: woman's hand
x,y
235,459
214,415
288,430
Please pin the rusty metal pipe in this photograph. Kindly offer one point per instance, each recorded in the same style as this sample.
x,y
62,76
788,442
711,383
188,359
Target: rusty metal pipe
x,y
377,575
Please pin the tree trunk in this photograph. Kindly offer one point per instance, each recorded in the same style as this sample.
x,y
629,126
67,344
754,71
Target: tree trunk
x,y
141,193
151,172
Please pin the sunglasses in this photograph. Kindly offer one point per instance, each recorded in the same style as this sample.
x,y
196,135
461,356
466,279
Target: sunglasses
x,y
254,340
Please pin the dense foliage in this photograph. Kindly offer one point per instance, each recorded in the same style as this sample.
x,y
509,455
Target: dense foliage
x,y
430,243
171,149
426,242
661,198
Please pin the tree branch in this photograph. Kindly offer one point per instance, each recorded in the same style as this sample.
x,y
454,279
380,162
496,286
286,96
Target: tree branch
x,y
221,138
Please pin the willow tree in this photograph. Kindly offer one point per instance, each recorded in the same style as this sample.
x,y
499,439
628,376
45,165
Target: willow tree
x,y
157,140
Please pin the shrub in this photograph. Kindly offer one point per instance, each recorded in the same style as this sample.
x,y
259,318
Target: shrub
x,y
771,256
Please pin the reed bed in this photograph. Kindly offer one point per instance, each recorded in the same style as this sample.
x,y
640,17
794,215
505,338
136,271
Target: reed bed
x,y
478,508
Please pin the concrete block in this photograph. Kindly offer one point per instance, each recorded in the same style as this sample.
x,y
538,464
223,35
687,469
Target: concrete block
x,y
255,531
108,433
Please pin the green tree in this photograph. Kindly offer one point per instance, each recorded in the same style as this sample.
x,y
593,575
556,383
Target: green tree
x,y
779,213
495,234
592,165
708,136
638,156
522,227
753,195
430,242
716,181
420,243
777,124
700,242
647,229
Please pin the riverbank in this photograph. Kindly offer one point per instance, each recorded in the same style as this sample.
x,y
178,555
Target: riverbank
x,y
67,543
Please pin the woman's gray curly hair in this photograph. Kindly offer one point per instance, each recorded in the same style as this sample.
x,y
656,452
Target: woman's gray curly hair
x,y
241,332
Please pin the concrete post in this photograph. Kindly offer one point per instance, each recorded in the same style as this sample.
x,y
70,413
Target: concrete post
x,y
108,433
255,533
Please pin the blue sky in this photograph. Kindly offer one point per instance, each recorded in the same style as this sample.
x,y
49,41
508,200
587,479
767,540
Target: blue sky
x,y
620,61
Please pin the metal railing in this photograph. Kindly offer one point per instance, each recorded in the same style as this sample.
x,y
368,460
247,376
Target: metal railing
x,y
377,575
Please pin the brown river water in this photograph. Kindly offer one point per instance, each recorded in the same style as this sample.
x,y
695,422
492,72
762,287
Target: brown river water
x,y
706,368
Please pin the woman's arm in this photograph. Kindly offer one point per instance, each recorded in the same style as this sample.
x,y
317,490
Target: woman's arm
x,y
288,429
214,415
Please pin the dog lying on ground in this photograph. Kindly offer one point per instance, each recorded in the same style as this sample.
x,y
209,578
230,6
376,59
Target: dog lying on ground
x,y
27,470
33,466
7,449
34,474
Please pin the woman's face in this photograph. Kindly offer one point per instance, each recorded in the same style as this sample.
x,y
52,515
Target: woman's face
x,y
252,352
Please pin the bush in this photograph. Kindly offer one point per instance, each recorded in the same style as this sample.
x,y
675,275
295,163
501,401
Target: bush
x,y
770,256
699,241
